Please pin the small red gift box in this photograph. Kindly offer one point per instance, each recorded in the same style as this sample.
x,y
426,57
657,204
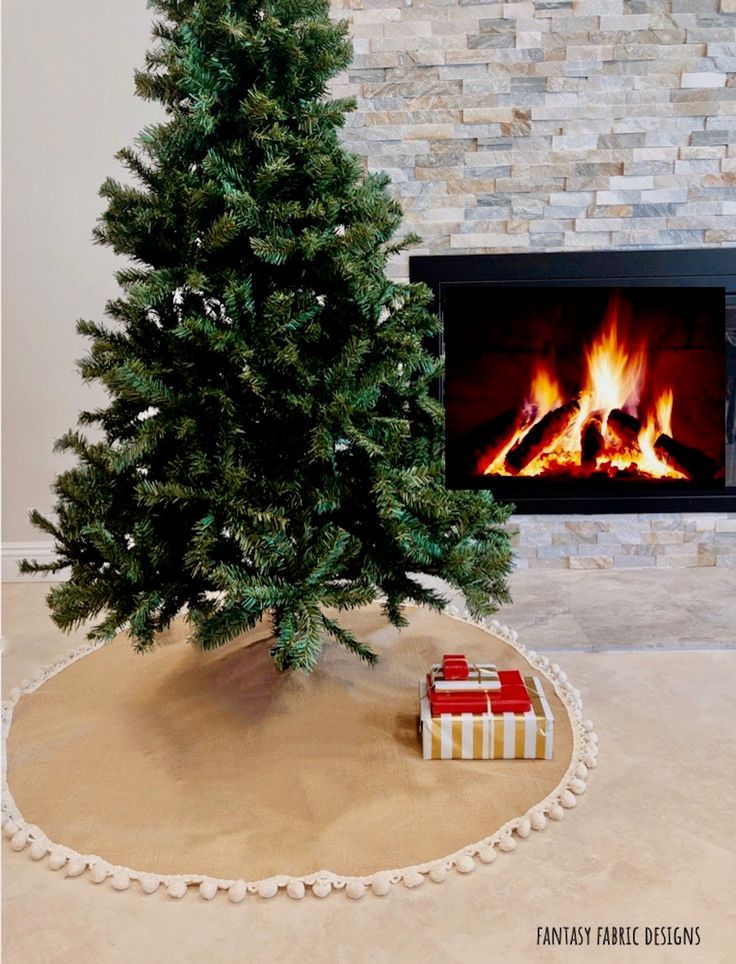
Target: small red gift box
x,y
512,697
511,677
455,666
458,701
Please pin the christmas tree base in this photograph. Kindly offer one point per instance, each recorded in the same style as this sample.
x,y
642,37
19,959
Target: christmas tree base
x,y
179,769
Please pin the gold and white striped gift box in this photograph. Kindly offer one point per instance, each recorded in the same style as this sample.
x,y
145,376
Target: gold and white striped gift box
x,y
488,736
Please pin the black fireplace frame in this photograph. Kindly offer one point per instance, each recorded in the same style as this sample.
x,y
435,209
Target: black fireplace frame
x,y
699,267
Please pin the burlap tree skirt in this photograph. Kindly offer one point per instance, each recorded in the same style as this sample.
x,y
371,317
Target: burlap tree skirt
x,y
179,767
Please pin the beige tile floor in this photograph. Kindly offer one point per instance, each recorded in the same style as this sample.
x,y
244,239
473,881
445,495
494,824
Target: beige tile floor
x,y
650,844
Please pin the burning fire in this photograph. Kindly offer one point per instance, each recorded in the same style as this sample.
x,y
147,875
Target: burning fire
x,y
599,431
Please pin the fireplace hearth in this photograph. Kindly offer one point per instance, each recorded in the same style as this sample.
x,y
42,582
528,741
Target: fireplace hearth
x,y
590,382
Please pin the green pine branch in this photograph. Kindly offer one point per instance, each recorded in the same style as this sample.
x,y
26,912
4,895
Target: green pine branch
x,y
269,444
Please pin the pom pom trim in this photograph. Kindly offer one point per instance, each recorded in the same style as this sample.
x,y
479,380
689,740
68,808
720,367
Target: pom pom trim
x,y
321,883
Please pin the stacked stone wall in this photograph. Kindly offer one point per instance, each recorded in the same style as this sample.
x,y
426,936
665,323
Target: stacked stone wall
x,y
548,125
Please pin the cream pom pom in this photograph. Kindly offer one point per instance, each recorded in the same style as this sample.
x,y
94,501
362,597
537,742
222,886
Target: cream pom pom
x,y
11,828
19,840
581,771
538,820
507,844
413,879
267,889
57,860
355,889
177,889
465,864
150,883
592,737
295,889
556,812
121,880
321,888
487,854
438,873
532,655
562,677
381,885
39,849
587,725
98,873
524,828
208,889
236,891
568,799
590,761
76,867
513,635
578,786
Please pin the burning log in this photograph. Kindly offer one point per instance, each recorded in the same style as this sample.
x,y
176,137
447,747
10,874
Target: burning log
x,y
693,463
485,442
624,427
542,436
592,443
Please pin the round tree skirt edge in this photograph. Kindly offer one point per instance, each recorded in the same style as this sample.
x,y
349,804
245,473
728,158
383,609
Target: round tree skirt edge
x,y
26,836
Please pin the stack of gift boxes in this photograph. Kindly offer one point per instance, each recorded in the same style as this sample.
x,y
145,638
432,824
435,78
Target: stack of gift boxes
x,y
472,711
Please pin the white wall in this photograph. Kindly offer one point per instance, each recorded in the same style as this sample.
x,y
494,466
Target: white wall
x,y
68,106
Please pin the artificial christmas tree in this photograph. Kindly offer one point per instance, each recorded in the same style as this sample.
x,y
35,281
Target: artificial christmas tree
x,y
271,444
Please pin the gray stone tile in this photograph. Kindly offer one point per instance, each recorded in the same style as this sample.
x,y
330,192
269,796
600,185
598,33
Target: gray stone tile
x,y
483,40
613,141
710,137
633,561
590,562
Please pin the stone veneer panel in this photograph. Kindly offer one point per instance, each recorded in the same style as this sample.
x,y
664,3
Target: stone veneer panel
x,y
661,540
552,124
556,125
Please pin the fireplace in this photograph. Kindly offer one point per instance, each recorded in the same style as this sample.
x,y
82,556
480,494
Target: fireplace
x,y
589,382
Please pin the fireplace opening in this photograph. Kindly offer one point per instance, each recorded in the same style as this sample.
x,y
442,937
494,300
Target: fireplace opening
x,y
613,386
589,381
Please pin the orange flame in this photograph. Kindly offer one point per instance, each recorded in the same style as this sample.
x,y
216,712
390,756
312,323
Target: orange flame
x,y
545,393
664,411
614,371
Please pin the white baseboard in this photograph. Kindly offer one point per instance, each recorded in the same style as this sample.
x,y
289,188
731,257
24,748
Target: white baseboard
x,y
13,552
